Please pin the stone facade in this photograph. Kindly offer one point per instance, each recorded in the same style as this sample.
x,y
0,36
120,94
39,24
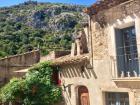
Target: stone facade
x,y
99,41
117,12
100,74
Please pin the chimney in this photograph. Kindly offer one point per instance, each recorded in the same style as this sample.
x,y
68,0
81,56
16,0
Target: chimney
x,y
73,49
78,47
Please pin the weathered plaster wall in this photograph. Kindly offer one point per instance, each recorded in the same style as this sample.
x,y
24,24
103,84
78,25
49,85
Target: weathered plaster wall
x,y
118,12
102,23
10,64
99,41
73,76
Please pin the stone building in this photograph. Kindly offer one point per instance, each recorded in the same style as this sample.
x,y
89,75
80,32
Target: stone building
x,y
103,67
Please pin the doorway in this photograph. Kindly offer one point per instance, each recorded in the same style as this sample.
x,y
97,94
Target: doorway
x,y
83,96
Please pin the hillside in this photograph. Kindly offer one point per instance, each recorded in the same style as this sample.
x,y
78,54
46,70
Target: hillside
x,y
32,25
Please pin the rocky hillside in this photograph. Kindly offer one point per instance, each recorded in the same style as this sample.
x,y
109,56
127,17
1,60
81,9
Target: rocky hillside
x,y
32,25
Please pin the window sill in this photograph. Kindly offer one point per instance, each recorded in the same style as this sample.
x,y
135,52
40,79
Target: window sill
x,y
126,79
127,82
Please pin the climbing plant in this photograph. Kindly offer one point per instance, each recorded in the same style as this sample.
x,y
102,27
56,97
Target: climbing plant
x,y
36,88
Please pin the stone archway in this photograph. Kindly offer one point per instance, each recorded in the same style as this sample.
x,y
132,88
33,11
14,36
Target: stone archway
x,y
83,96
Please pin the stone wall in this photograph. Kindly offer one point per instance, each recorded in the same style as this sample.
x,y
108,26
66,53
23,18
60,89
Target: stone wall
x,y
99,42
101,22
13,63
118,12
54,54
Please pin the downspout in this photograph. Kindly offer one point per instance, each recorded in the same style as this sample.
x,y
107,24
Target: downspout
x,y
92,61
91,42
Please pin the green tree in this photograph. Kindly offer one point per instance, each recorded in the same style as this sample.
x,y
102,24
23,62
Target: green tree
x,y
36,88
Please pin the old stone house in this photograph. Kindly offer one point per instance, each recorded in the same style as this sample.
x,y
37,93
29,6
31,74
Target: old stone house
x,y
103,67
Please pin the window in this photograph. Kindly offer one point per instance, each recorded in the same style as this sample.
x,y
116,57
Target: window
x,y
55,77
130,46
127,54
117,98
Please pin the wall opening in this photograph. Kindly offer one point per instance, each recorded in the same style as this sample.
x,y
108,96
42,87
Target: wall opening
x,y
116,98
83,96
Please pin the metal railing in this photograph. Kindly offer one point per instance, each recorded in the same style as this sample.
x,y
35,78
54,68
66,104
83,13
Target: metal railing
x,y
126,63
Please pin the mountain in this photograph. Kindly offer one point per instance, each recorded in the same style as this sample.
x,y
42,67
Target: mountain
x,y
32,25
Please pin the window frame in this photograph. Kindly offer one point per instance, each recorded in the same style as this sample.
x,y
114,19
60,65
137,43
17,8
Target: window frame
x,y
117,97
126,62
120,24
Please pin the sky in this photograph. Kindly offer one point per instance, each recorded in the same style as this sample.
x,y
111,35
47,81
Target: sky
x,y
4,3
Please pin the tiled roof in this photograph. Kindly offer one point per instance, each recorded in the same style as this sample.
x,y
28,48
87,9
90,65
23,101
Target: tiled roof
x,y
102,5
68,59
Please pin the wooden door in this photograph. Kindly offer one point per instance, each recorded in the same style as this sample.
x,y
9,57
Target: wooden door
x,y
83,96
84,99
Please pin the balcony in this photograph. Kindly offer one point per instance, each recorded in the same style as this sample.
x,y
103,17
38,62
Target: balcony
x,y
126,67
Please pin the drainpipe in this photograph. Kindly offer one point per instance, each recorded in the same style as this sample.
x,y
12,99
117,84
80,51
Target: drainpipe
x,y
91,51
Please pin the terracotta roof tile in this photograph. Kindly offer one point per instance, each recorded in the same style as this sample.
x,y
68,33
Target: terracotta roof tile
x,y
68,59
102,5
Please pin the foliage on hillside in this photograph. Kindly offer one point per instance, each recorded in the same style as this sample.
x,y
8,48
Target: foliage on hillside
x,y
34,25
36,88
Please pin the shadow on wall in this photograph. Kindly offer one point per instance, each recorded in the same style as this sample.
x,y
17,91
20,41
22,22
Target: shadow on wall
x,y
77,70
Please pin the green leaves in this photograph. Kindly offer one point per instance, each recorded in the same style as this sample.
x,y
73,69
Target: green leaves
x,y
12,90
36,88
46,26
2,54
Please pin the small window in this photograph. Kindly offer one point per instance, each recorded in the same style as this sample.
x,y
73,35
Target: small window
x,y
55,77
113,98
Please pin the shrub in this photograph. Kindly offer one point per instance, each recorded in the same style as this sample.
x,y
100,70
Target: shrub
x,y
36,88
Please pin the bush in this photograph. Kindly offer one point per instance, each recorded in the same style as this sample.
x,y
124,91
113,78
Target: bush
x,y
36,88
